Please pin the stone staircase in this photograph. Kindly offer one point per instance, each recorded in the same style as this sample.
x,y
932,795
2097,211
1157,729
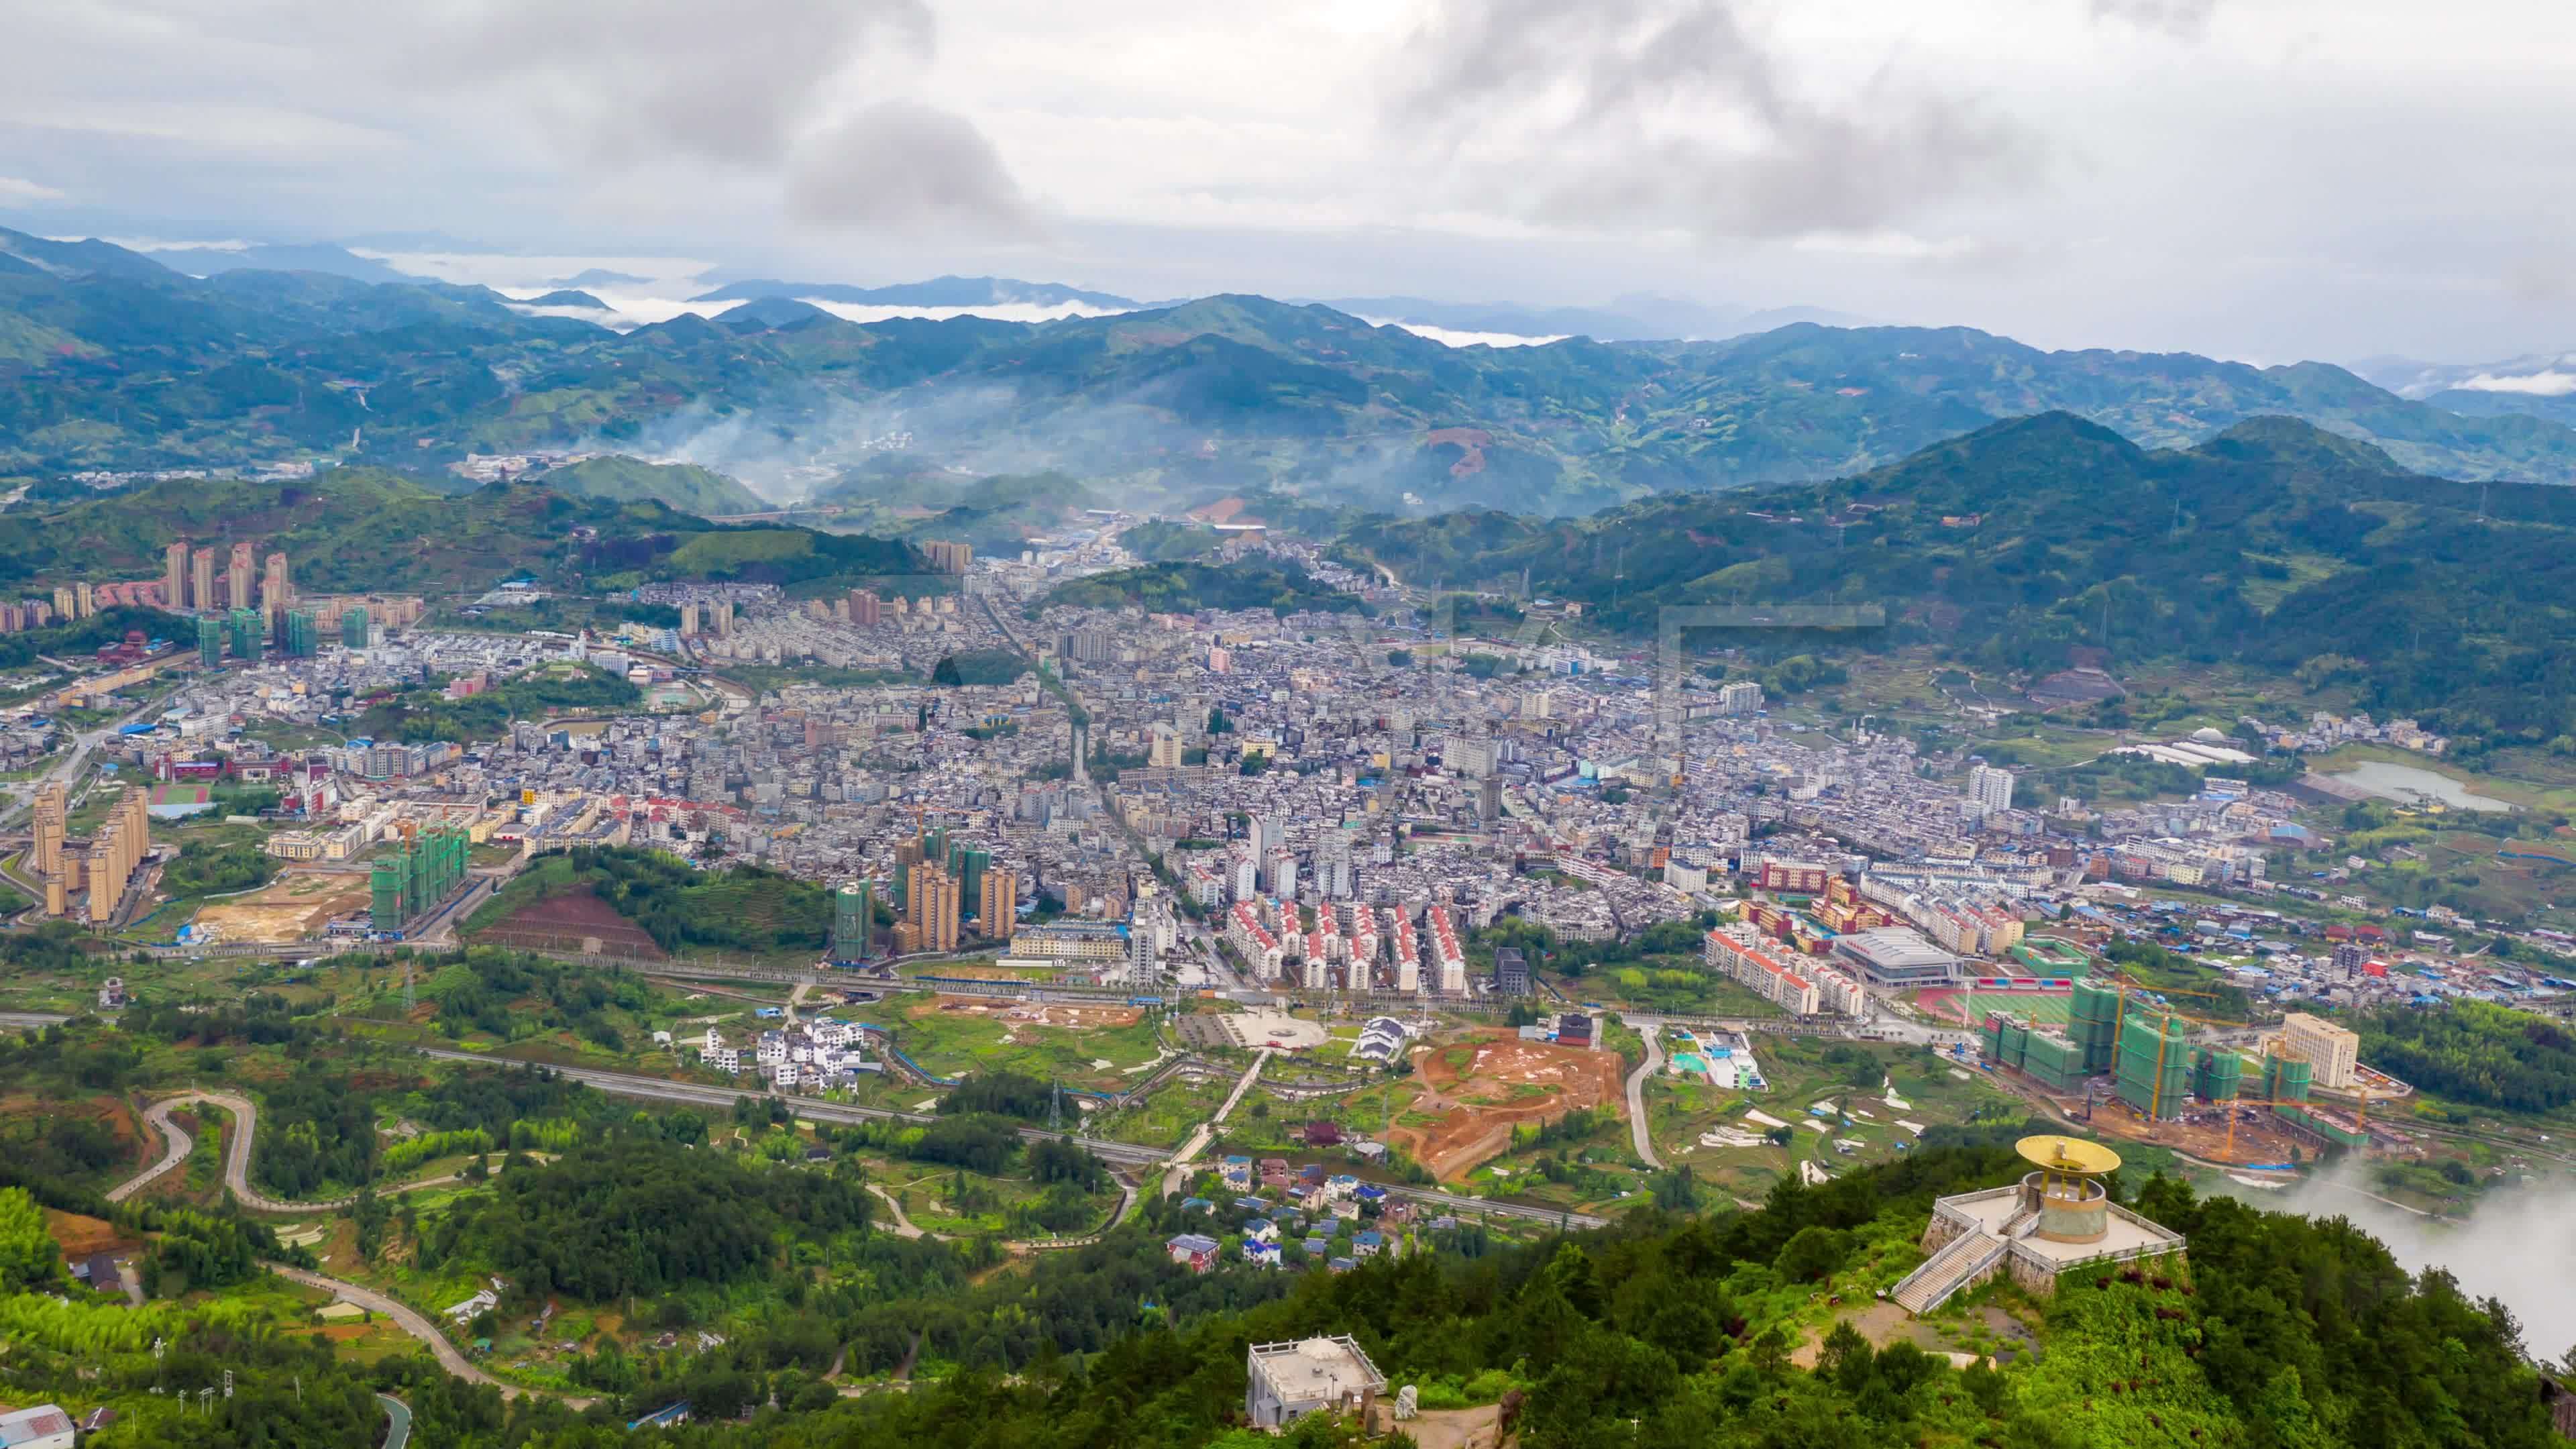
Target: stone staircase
x,y
1957,1264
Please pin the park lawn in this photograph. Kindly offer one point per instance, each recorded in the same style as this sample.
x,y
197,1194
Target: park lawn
x,y
1165,1118
1800,1075
1594,1171
1670,985
928,1192
954,1043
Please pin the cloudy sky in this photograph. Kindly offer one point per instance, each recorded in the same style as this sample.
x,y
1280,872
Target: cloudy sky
x,y
2266,179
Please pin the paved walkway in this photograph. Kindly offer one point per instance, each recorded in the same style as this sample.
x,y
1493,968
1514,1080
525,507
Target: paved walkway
x,y
1644,1140
397,1421
903,1226
1206,1131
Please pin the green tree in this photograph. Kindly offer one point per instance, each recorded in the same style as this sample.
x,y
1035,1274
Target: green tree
x,y
29,1257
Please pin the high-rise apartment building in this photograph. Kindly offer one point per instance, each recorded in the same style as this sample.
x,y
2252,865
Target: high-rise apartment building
x,y
276,591
931,907
999,902
210,641
866,609
52,814
237,578
947,557
854,920
353,628
1280,866
201,579
174,575
245,627
122,839
1165,751
1991,788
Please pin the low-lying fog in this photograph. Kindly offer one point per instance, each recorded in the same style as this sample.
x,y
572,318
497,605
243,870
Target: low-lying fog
x,y
2516,1244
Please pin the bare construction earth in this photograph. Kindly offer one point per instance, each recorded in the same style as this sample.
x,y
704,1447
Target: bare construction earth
x,y
566,922
1483,1087
293,907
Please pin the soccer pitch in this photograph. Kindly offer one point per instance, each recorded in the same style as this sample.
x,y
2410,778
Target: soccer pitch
x,y
2042,1008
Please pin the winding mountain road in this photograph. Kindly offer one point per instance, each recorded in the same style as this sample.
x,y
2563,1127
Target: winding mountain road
x,y
177,1144
1644,1140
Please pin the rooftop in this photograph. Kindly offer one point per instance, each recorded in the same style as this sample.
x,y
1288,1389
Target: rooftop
x,y
1317,1368
2130,1234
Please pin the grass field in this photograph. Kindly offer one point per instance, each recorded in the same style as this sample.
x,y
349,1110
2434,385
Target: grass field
x,y
1853,1076
1673,984
951,1036
2042,1008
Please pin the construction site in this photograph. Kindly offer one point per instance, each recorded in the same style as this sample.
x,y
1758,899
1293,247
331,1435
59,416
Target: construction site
x,y
415,875
1475,1091
2130,1066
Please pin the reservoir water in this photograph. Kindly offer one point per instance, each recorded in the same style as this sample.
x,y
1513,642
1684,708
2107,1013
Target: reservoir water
x,y
2407,784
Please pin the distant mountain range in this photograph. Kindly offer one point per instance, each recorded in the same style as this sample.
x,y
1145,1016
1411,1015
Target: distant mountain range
x,y
2542,384
937,292
1625,319
109,359
270,257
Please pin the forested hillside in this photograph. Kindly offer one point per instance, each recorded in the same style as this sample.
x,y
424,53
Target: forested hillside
x,y
682,486
743,908
1667,1332
371,529
2273,544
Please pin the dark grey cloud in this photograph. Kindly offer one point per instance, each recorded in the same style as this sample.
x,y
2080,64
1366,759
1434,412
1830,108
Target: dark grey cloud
x,y
635,82
2187,19
905,165
1675,114
651,104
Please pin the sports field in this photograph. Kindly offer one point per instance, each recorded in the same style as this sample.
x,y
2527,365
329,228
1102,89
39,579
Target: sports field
x,y
2043,1008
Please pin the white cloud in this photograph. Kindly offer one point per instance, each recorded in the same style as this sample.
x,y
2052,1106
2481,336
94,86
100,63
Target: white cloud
x,y
20,189
2550,383
1455,337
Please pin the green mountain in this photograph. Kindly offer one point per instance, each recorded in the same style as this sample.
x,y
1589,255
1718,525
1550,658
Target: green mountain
x,y
683,486
901,497
358,529
110,360
1249,583
2027,542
